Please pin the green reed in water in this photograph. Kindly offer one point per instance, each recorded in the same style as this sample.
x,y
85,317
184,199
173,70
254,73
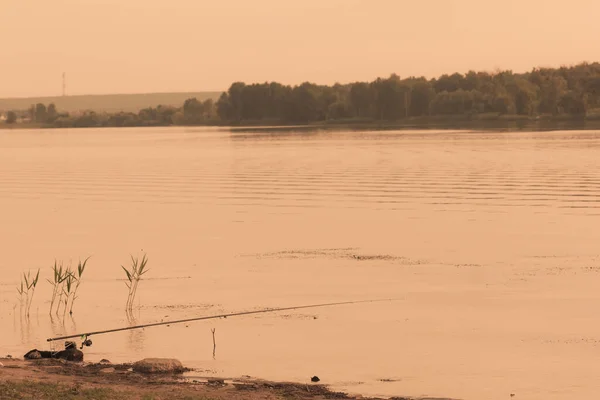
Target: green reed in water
x,y
60,275
28,285
80,270
134,275
65,285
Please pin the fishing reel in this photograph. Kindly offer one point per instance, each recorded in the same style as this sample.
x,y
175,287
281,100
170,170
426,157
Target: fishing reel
x,y
85,342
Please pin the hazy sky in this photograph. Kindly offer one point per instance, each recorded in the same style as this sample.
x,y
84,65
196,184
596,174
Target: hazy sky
x,y
127,46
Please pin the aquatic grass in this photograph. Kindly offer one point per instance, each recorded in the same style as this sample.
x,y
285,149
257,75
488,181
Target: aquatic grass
x,y
61,275
80,270
67,289
58,274
21,290
65,285
134,275
28,285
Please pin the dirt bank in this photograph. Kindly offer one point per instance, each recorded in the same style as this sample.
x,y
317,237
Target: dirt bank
x,y
56,379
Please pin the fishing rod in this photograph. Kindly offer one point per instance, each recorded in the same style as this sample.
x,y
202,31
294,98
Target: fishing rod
x,y
237,314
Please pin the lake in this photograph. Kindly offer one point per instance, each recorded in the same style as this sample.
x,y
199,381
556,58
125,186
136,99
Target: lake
x,y
489,240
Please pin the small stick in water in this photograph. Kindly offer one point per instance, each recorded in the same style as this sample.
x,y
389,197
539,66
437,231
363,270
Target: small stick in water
x,y
214,342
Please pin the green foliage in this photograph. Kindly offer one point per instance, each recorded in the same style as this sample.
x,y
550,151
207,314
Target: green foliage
x,y
195,112
27,288
134,275
65,285
108,103
40,113
569,91
11,117
59,276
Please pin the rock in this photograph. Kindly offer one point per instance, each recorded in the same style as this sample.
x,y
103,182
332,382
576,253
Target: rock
x,y
71,354
158,366
1,365
33,355
105,361
107,370
315,379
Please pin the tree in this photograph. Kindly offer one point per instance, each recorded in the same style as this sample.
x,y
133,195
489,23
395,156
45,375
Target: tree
x,y
392,98
552,89
236,100
449,83
422,94
40,113
361,99
573,103
459,102
225,108
525,94
503,104
339,110
209,109
570,90
193,111
305,104
11,117
51,113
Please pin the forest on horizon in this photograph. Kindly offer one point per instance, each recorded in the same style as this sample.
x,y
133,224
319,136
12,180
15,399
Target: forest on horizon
x,y
566,91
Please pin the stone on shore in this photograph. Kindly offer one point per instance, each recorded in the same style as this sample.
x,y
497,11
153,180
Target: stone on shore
x,y
33,355
158,366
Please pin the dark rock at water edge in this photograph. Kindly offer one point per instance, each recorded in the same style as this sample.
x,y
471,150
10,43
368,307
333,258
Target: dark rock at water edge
x,y
71,353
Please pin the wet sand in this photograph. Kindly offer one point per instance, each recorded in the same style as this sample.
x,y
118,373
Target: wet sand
x,y
489,239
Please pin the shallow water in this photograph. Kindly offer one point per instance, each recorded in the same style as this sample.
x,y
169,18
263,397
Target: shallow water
x,y
489,239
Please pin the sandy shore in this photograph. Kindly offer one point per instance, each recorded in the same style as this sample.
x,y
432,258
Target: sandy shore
x,y
54,379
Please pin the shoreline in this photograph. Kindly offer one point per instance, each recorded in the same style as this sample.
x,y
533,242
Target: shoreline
x,y
503,123
52,379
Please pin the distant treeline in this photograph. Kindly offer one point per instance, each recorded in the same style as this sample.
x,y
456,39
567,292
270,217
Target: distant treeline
x,y
566,91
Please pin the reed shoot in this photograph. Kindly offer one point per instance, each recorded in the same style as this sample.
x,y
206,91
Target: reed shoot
x,y
28,285
134,275
80,271
21,290
68,289
60,275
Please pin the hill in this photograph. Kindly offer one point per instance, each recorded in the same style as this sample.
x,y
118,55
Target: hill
x,y
107,103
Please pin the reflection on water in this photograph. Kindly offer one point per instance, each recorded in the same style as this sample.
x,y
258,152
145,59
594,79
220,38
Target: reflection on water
x,y
135,337
490,239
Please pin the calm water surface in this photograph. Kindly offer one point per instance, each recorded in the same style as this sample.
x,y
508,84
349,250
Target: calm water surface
x,y
491,241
